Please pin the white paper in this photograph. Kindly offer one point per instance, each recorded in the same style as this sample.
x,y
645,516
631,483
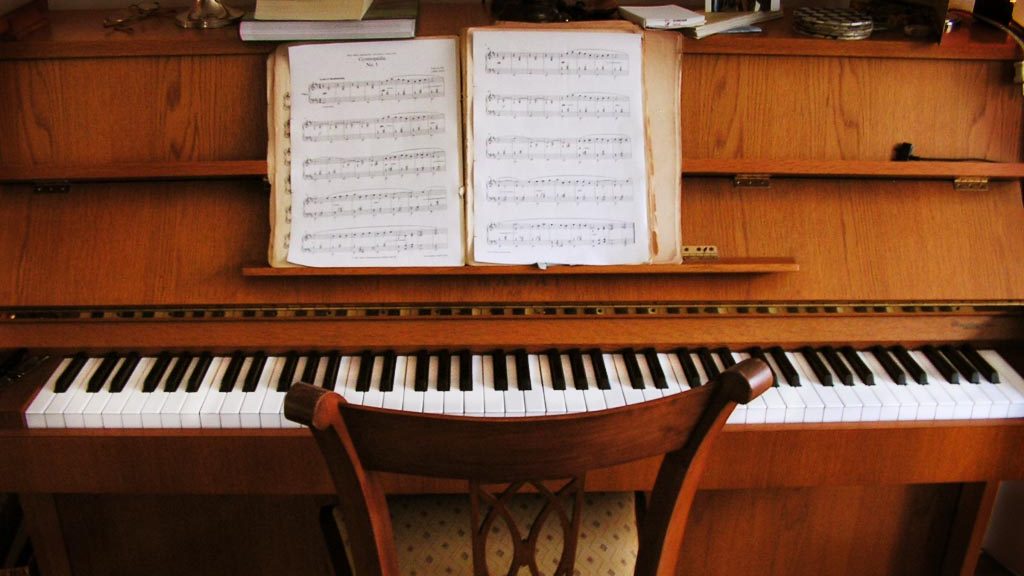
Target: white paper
x,y
559,168
375,157
668,16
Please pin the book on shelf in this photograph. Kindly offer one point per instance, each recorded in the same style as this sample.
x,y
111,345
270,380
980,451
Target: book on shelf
x,y
386,19
568,152
666,17
311,9
19,18
716,22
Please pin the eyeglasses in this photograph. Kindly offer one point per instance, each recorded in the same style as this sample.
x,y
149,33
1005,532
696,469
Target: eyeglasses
x,y
135,12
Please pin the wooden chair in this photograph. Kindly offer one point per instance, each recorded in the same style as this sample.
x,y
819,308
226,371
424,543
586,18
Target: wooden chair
x,y
358,443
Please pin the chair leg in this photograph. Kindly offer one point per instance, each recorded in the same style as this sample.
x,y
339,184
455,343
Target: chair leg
x,y
332,540
641,500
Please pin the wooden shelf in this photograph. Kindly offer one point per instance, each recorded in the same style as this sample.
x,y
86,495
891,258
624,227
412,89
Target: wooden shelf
x,y
720,266
851,168
135,171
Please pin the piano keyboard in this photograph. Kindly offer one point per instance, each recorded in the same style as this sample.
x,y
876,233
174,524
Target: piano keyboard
x,y
246,390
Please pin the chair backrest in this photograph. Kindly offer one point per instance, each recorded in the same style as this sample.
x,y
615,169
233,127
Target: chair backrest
x,y
359,442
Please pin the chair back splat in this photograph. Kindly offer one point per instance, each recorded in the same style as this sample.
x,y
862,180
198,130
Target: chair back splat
x,y
547,454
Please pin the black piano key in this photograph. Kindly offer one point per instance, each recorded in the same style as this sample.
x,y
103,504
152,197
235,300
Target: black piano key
x,y
444,371
889,365
287,376
862,370
965,368
654,365
178,373
636,378
838,366
500,370
70,373
365,371
579,372
466,371
817,366
99,377
710,368
757,352
941,364
600,372
256,367
387,373
689,368
422,376
199,372
523,379
987,371
331,370
311,367
156,372
726,356
917,374
120,379
785,366
555,364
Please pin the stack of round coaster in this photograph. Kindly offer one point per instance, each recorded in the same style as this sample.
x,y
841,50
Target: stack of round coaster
x,y
835,23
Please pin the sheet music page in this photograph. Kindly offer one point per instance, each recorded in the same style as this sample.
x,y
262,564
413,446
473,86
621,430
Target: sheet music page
x,y
375,164
560,174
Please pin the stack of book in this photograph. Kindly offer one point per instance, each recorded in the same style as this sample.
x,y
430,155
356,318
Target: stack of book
x,y
286,20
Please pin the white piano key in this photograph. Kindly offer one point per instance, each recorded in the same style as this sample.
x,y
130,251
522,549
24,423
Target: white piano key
x,y
155,400
675,385
834,407
554,400
111,412
795,406
814,408
433,399
901,393
373,396
73,399
889,406
249,411
613,397
394,399
193,404
35,413
454,397
209,413
515,401
621,376
1011,384
131,412
592,396
938,401
473,400
412,399
650,391
574,400
170,412
92,415
980,402
494,400
534,397
349,391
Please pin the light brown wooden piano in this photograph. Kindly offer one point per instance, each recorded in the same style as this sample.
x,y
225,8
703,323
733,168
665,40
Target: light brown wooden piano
x,y
135,219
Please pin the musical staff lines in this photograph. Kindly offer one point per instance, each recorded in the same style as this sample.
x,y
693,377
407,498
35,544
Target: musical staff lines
x,y
379,128
406,162
576,105
376,202
590,147
376,241
410,87
583,62
560,190
560,233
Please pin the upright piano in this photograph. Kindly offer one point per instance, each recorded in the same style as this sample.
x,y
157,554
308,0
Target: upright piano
x,y
133,250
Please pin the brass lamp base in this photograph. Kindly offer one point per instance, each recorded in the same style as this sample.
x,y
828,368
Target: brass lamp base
x,y
208,14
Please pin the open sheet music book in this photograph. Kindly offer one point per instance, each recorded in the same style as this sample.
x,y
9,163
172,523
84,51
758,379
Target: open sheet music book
x,y
542,152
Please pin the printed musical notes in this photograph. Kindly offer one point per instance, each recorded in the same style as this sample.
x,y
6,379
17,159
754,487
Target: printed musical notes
x,y
578,105
571,104
376,159
582,62
392,88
